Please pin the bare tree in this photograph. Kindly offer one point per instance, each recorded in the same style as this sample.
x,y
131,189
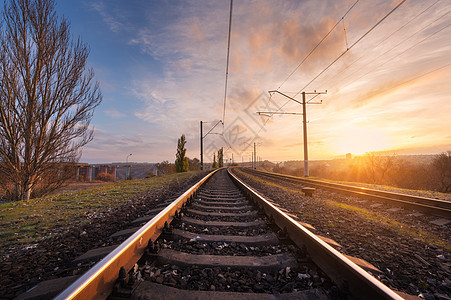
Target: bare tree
x,y
194,164
165,167
377,166
47,96
442,167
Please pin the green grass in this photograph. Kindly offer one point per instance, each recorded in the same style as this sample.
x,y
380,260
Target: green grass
x,y
30,221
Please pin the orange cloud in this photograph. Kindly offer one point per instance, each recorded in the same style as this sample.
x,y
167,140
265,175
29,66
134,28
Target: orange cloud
x,y
197,33
298,39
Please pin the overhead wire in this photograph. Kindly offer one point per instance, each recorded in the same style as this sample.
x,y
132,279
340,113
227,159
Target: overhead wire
x,y
352,46
305,58
227,65
421,29
360,39
413,46
391,34
212,129
346,51
317,45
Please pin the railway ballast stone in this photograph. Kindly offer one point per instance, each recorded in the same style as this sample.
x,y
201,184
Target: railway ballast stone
x,y
149,290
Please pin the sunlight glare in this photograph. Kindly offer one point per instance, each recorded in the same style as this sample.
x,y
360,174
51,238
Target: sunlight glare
x,y
360,140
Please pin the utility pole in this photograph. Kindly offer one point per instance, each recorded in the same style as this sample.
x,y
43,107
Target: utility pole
x,y
255,158
202,141
304,119
129,166
201,148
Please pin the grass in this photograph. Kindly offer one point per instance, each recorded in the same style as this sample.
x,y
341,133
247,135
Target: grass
x,y
372,216
30,221
397,226
423,193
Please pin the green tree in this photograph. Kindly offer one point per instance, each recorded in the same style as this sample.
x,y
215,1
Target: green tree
x,y
181,161
215,165
47,98
221,157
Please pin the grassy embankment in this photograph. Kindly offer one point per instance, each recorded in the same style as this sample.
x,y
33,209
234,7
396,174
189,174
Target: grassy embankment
x,y
25,222
369,215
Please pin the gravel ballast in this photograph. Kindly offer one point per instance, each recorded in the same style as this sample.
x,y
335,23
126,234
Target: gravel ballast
x,y
23,267
413,254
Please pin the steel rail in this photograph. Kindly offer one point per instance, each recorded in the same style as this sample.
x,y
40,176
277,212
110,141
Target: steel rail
x,y
346,274
436,207
98,282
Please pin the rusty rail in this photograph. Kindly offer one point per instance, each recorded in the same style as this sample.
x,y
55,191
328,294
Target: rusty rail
x,y
346,274
98,282
441,208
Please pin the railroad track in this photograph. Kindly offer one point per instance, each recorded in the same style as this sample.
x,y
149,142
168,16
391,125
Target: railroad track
x,y
440,208
221,239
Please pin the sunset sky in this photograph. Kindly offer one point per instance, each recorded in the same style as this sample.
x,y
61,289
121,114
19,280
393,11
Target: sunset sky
x,y
161,66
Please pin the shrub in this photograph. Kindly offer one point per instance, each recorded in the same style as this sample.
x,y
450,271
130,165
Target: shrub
x,y
105,177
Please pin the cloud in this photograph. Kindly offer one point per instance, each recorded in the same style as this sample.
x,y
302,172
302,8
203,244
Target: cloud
x,y
110,20
367,87
110,146
114,113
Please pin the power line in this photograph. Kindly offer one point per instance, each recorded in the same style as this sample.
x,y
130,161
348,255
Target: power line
x,y
404,40
317,45
227,65
333,62
346,51
355,43
398,55
305,58
391,34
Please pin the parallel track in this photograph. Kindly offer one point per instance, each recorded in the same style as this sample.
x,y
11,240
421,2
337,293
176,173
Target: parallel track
x,y
99,281
441,208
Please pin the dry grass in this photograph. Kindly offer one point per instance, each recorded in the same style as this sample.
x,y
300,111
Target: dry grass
x,y
369,215
420,193
25,222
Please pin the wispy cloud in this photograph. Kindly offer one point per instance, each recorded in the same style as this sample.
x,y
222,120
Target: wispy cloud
x,y
112,21
114,113
386,82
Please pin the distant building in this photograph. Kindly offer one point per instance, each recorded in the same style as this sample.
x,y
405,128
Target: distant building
x,y
87,172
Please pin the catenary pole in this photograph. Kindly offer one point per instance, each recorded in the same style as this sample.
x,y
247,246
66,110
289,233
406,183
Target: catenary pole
x,y
201,148
304,121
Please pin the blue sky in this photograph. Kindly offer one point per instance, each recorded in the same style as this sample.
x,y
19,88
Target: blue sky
x,y
161,67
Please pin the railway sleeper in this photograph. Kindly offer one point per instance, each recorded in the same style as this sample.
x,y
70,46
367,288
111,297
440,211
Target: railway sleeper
x,y
255,223
288,274
148,290
213,214
277,266
263,263
220,203
258,240
222,208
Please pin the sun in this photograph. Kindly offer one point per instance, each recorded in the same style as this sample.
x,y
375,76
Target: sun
x,y
360,140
